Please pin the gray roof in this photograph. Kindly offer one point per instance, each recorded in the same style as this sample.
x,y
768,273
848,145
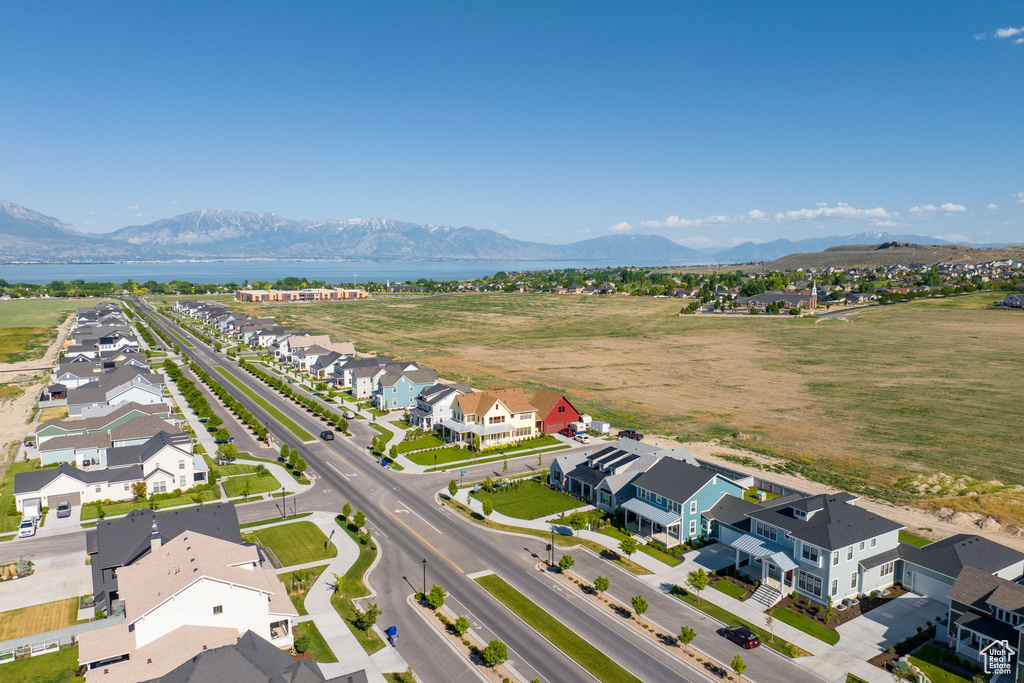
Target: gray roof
x,y
142,426
732,510
877,560
29,482
92,440
988,626
419,376
434,394
674,479
251,660
950,555
835,523
98,423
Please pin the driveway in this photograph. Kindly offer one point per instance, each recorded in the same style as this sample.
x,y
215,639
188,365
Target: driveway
x,y
871,633
56,577
55,526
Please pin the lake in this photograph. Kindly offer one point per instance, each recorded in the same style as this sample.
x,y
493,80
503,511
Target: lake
x,y
332,272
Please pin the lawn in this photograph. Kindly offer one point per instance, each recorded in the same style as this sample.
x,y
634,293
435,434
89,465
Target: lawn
x,y
596,662
732,590
352,585
296,543
642,547
56,667
235,486
10,522
531,501
427,441
57,413
914,540
274,412
927,658
316,644
261,522
369,640
228,470
49,616
114,509
729,619
867,386
483,461
750,495
383,430
808,626
174,332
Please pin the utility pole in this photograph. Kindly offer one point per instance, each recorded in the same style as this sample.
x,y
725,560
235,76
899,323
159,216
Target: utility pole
x,y
424,578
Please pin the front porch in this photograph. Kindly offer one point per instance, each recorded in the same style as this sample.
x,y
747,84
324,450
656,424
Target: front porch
x,y
653,523
766,562
973,634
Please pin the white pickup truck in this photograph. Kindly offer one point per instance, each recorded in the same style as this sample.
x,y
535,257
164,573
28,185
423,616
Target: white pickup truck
x,y
30,515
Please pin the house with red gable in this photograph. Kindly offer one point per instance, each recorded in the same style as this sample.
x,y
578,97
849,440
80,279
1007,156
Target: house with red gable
x,y
554,412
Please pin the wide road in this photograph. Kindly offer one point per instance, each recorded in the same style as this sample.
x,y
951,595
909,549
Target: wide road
x,y
411,526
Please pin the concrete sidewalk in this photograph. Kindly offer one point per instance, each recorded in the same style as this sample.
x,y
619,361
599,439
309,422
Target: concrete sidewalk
x,y
410,466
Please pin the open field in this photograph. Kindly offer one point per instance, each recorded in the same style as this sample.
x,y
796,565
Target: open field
x,y
922,387
28,326
49,616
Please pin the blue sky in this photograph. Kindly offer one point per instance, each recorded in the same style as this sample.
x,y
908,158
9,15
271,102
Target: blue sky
x,y
709,123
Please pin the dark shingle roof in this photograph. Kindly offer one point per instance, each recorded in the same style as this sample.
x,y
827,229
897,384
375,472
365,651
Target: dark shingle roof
x,y
949,556
732,510
987,626
674,479
978,588
890,555
834,524
28,482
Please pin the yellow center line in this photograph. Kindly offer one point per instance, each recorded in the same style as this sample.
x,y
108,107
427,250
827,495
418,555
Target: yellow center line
x,y
429,545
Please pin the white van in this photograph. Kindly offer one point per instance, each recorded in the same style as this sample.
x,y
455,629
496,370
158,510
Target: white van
x,y
27,527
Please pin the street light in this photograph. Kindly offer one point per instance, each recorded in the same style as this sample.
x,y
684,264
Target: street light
x,y
284,511
424,578
552,546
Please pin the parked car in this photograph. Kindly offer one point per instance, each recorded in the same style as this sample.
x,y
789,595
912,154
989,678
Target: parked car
x,y
582,438
630,434
64,509
327,435
569,432
348,415
742,636
222,440
26,528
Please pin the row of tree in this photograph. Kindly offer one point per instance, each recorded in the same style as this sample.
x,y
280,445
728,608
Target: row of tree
x,y
307,402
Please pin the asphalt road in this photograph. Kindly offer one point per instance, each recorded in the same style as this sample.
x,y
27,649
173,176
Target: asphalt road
x,y
411,526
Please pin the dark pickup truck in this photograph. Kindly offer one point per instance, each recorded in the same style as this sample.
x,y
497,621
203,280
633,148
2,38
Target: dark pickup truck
x,y
630,434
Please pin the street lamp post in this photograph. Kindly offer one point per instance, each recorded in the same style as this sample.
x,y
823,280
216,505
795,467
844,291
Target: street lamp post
x,y
424,578
284,510
552,562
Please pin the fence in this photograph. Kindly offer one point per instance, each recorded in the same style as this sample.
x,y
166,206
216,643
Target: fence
x,y
51,641
759,482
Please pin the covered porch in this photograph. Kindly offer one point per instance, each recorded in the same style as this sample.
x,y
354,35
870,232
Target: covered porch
x,y
766,562
973,634
654,523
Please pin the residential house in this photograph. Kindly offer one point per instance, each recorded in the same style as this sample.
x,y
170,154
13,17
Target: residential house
x,y
794,300
76,373
89,449
103,424
984,611
932,570
485,419
286,347
396,388
603,475
123,385
304,358
190,594
554,411
434,405
118,543
342,373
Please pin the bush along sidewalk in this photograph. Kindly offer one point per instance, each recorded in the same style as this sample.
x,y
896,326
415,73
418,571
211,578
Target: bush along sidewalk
x,y
332,418
230,402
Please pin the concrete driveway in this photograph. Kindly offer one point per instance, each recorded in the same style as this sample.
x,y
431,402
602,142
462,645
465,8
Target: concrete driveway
x,y
871,633
55,526
55,578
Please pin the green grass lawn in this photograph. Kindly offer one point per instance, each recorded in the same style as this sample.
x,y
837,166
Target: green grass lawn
x,y
352,585
402,424
531,501
90,511
729,619
750,495
174,332
575,646
274,412
10,522
316,644
228,470
261,522
484,461
732,590
914,540
383,430
296,543
369,640
927,659
808,626
427,441
235,486
58,667
642,547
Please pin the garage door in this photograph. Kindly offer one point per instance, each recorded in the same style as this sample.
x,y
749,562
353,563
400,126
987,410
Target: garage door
x,y
73,498
929,587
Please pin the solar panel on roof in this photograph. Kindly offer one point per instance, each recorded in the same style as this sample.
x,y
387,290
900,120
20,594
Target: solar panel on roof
x,y
624,461
601,462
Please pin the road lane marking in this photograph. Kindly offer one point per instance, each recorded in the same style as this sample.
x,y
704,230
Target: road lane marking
x,y
429,544
339,471
421,517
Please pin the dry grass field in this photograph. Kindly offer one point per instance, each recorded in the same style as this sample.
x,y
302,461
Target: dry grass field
x,y
928,386
38,618
27,326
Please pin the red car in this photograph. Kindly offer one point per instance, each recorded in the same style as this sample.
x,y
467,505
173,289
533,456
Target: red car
x,y
742,636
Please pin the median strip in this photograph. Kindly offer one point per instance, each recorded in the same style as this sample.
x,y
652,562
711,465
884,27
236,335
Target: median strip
x,y
263,403
184,341
597,663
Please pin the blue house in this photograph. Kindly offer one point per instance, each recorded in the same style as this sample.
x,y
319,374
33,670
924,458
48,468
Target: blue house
x,y
396,388
671,498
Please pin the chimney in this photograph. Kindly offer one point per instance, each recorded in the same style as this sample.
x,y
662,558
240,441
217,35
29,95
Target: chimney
x,y
154,537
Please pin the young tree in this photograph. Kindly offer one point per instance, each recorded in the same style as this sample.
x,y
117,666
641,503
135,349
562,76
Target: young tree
x,y
601,584
769,621
829,610
687,634
139,490
488,507
346,510
246,488
565,562
365,620
494,654
628,546
578,521
738,665
453,488
359,519
461,625
285,451
697,580
640,605
504,466
436,596
300,465
540,461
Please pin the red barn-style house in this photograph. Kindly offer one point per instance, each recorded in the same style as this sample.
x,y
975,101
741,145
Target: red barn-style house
x,y
554,412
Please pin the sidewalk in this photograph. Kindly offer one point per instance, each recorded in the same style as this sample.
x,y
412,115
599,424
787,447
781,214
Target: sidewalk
x,y
350,654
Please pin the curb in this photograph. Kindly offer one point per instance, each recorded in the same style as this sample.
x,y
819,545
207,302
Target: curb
x,y
447,642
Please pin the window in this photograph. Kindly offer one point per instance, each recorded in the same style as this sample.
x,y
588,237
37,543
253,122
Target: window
x,y
159,487
561,409
861,546
809,553
766,530
127,487
835,586
849,553
693,507
181,464
874,542
218,609
181,482
97,488
853,580
835,557
498,419
887,568
809,583
693,527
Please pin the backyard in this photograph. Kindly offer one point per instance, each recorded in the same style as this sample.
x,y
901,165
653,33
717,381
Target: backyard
x,y
296,543
48,616
531,500
55,667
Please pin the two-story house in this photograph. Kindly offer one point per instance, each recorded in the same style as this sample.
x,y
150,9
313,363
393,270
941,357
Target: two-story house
x,y
486,419
818,546
434,405
397,389
603,475
984,611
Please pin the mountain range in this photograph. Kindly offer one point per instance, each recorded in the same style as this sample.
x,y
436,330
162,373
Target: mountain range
x,y
29,236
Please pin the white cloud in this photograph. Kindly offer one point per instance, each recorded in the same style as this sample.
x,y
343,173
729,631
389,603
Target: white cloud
x,y
992,207
584,231
953,208
1008,32
175,202
134,207
980,36
948,208
888,224
820,211
756,214
840,210
1019,41
1019,197
621,227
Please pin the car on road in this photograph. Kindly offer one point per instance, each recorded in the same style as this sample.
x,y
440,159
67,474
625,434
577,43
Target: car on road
x,y
64,509
222,440
327,435
582,438
26,528
630,434
742,636
348,415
